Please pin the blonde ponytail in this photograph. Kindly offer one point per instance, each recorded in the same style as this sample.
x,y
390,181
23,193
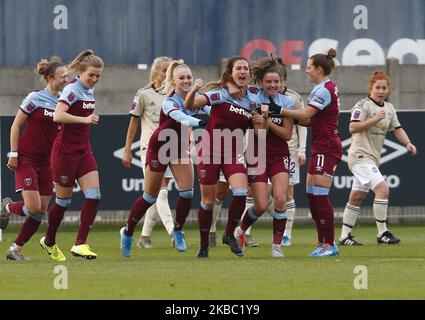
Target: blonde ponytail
x,y
168,85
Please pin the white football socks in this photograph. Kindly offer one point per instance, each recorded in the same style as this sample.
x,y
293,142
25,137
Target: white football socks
x,y
164,210
380,208
349,219
216,212
290,205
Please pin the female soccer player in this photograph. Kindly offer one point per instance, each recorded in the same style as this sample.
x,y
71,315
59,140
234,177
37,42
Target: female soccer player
x,y
321,114
72,156
30,154
267,72
371,119
146,105
297,145
222,148
172,152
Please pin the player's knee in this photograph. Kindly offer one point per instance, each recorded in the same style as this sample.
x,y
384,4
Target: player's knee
x,y
261,206
355,201
280,201
382,191
187,194
63,202
385,194
33,207
93,193
356,198
221,195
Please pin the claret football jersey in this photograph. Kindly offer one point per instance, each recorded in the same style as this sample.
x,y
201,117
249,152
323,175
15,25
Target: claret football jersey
x,y
75,138
274,144
40,131
324,98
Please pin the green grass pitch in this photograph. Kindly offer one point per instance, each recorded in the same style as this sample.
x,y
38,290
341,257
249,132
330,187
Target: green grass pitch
x,y
393,272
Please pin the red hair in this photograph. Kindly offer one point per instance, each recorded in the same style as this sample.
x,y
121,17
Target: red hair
x,y
379,75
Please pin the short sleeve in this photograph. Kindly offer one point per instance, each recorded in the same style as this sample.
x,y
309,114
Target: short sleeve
x,y
69,95
172,110
394,120
28,105
169,105
320,99
137,105
358,112
215,97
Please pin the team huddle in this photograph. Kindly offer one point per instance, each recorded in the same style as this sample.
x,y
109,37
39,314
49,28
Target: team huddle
x,y
252,144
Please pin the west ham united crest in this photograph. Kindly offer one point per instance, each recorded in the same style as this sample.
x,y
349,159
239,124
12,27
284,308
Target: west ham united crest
x,y
155,163
28,181
64,179
203,173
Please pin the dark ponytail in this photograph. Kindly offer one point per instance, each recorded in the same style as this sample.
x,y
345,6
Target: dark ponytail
x,y
326,61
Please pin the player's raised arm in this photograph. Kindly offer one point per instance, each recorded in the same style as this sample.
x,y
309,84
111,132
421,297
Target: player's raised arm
x,y
192,101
